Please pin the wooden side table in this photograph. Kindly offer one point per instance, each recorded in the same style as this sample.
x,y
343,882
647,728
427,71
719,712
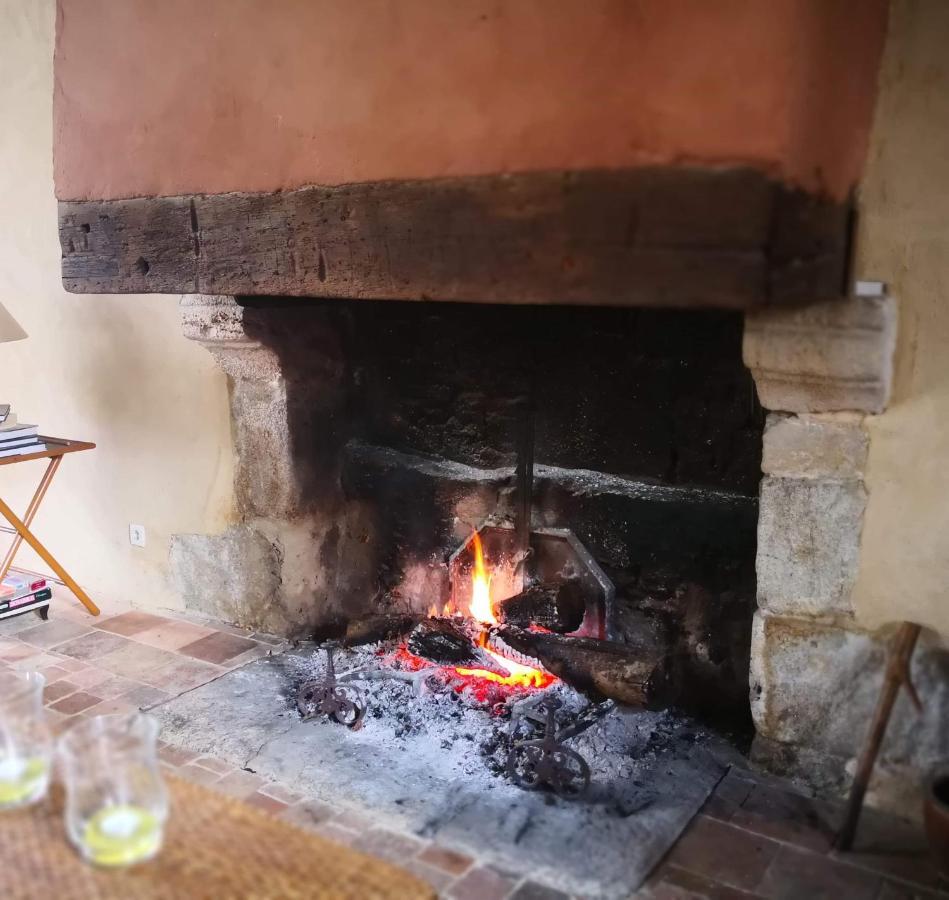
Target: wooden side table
x,y
56,449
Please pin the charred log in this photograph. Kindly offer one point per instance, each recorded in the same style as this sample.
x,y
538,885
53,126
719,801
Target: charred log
x,y
635,675
447,643
556,607
378,628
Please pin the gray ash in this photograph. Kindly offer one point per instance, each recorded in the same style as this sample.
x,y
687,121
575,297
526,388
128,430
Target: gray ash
x,y
462,726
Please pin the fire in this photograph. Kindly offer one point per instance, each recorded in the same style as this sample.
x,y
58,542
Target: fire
x,y
520,675
481,607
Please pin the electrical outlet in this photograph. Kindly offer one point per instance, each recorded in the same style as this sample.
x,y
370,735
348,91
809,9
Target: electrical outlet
x,y
137,535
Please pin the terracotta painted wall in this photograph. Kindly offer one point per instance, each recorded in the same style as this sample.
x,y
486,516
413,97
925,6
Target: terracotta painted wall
x,y
904,240
115,370
222,95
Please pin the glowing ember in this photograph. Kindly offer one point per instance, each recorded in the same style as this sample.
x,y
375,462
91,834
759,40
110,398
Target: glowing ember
x,y
520,676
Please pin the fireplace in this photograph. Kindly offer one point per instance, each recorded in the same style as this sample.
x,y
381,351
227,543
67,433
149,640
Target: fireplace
x,y
380,443
404,429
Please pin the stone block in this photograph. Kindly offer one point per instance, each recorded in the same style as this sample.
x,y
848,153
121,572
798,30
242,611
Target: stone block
x,y
622,521
233,576
220,323
814,687
265,478
212,318
808,545
830,445
825,357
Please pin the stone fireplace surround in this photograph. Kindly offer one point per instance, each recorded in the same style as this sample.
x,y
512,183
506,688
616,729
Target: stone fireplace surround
x,y
815,672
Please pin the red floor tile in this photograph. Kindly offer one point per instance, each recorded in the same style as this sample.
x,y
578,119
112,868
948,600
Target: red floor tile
x,y
217,648
130,623
723,853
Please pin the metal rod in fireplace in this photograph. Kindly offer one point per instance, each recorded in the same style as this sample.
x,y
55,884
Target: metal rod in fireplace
x,y
524,482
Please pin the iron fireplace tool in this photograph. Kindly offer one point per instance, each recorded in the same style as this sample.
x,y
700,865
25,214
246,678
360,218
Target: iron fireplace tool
x,y
548,762
342,703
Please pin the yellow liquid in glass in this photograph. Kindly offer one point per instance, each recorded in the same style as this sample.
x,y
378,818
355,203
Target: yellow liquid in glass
x,y
22,780
120,835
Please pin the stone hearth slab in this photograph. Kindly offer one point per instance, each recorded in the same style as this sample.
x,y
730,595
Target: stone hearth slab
x,y
603,845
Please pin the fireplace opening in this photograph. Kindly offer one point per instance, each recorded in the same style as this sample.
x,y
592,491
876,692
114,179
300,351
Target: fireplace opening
x,y
407,423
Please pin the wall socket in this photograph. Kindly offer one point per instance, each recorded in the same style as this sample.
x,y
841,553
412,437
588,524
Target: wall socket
x,y
137,535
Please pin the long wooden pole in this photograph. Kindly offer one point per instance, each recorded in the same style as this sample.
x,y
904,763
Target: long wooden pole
x,y
47,557
897,676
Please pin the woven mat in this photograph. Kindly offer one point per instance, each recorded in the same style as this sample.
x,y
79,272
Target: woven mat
x,y
215,847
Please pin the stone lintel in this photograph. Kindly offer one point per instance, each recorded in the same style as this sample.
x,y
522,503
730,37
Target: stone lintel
x,y
823,358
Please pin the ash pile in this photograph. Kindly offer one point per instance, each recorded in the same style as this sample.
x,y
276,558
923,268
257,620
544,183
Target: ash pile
x,y
462,712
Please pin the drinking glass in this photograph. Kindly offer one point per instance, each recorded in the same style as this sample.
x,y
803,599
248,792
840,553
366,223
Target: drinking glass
x,y
116,803
26,743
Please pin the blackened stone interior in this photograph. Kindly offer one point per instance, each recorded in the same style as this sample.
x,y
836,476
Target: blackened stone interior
x,y
641,393
647,445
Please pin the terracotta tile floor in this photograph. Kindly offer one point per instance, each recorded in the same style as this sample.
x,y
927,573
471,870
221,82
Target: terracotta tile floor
x,y
755,837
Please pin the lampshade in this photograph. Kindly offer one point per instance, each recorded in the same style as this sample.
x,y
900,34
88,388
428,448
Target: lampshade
x,y
9,327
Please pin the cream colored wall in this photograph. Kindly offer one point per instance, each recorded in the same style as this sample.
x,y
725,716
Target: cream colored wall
x,y
904,240
110,369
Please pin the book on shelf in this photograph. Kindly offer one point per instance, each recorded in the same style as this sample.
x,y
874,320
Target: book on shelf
x,y
18,442
18,584
33,446
17,438
16,605
16,431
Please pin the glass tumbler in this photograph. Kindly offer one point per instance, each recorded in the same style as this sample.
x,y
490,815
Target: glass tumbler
x,y
116,803
26,743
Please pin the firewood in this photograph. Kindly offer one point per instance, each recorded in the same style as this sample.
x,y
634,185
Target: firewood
x,y
378,628
636,675
556,607
447,643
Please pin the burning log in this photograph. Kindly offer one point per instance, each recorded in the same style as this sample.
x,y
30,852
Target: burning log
x,y
445,643
557,607
633,675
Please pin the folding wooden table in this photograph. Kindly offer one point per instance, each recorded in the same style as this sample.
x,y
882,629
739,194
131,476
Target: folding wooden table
x,y
56,449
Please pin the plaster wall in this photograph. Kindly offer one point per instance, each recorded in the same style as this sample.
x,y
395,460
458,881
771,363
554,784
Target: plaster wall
x,y
904,240
255,95
103,369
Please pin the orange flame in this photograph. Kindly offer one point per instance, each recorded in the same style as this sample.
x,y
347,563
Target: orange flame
x,y
481,607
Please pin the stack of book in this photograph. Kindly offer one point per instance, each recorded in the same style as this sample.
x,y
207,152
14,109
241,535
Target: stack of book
x,y
21,593
16,438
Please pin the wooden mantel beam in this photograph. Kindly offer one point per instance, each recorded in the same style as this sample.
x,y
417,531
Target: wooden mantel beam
x,y
671,237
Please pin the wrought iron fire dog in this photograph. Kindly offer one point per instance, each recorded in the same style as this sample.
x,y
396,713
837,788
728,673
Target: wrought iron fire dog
x,y
340,702
536,763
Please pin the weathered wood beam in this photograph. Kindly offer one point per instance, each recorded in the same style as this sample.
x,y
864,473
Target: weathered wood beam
x,y
646,237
